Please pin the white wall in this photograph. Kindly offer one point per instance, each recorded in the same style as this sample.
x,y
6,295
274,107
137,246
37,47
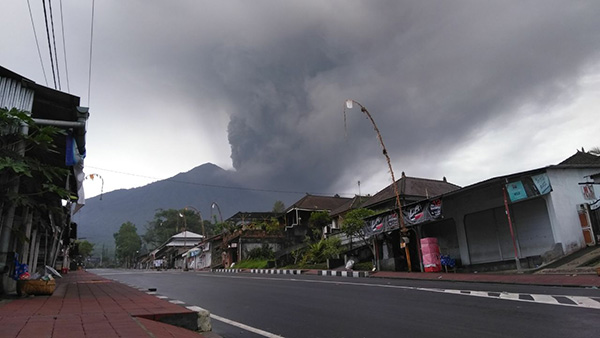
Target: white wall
x,y
562,206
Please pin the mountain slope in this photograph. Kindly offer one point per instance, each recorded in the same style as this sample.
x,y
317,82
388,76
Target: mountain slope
x,y
99,219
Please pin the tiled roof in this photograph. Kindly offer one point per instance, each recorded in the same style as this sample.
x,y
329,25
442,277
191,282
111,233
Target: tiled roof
x,y
354,203
412,187
312,202
581,158
253,216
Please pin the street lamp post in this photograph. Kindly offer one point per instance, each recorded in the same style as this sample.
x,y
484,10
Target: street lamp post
x,y
200,216
212,206
349,104
185,268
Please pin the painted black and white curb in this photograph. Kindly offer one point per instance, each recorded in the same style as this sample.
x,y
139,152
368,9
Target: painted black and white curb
x,y
333,273
339,273
227,270
277,271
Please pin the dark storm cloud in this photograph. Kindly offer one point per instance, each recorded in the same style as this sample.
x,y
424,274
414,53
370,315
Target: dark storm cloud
x,y
431,74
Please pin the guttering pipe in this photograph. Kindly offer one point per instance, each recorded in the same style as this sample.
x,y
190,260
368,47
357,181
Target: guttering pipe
x,y
293,224
83,115
60,123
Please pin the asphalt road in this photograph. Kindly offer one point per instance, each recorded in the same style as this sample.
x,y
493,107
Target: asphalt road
x,y
312,306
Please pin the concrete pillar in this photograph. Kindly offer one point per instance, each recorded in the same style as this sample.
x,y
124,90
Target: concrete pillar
x,y
36,252
32,242
25,248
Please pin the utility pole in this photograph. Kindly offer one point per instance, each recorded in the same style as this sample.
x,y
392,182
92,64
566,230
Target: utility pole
x,y
403,228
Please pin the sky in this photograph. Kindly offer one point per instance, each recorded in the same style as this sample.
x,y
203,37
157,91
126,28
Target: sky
x,y
466,90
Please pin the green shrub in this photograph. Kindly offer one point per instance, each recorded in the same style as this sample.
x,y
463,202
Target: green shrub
x,y
364,266
264,252
322,250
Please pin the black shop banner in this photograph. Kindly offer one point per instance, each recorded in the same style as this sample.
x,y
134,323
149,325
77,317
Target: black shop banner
x,y
417,213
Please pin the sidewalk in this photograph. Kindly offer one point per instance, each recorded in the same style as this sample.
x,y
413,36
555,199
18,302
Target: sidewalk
x,y
87,305
575,270
576,280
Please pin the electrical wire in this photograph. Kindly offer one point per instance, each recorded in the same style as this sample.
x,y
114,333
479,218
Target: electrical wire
x,y
54,43
222,186
91,44
62,25
49,44
37,43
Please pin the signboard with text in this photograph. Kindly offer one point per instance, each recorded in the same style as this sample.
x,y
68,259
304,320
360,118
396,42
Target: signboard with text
x,y
528,187
417,213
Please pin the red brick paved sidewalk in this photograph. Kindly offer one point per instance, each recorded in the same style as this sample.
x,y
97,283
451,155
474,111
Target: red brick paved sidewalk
x,y
86,305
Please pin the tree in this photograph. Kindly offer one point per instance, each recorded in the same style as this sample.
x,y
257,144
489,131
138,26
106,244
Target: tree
x,y
127,243
26,180
317,221
278,206
222,227
85,248
354,223
271,226
167,223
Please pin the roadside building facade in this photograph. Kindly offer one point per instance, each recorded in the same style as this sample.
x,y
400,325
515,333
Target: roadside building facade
x,y
525,219
36,228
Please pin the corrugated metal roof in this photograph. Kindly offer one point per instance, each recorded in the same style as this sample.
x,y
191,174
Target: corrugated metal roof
x,y
14,95
187,234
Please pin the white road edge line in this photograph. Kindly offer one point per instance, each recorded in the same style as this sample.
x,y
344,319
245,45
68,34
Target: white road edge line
x,y
545,299
245,327
585,302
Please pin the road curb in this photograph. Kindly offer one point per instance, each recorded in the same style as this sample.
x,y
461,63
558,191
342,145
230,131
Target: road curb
x,y
227,270
340,273
277,271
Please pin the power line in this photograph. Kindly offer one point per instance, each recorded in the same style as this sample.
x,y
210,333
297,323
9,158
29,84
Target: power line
x,y
49,44
91,44
221,186
54,43
37,43
62,25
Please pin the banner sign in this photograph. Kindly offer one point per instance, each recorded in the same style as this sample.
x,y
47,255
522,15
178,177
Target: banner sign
x,y
528,187
516,191
381,223
414,214
542,183
588,192
422,212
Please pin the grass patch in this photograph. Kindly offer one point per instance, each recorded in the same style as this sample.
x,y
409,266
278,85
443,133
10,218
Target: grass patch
x,y
252,264
319,266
